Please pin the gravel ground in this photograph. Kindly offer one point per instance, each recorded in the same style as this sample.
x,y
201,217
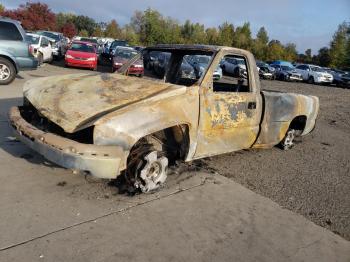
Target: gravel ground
x,y
312,179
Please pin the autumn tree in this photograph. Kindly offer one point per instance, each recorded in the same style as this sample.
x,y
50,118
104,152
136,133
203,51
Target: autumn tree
x,y
290,52
33,16
69,30
2,9
113,30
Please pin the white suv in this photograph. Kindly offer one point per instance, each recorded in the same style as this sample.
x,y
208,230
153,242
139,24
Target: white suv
x,y
314,74
41,47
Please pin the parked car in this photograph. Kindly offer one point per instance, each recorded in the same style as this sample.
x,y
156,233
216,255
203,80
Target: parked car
x,y
265,71
345,80
314,74
114,45
160,64
199,63
59,45
286,73
186,69
338,75
233,66
41,47
141,125
16,54
122,55
81,54
149,59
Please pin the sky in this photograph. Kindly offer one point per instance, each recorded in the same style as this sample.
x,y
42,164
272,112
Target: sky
x,y
307,23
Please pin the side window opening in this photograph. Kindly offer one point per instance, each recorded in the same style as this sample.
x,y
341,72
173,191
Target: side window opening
x,y
231,75
9,31
180,68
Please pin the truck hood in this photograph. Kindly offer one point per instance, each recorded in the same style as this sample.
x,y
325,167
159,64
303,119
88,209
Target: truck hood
x,y
75,101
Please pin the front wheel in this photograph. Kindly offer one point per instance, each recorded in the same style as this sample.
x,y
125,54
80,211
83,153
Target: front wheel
x,y
7,71
147,166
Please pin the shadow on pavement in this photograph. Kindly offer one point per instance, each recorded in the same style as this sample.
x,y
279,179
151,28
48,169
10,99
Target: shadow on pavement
x,y
9,144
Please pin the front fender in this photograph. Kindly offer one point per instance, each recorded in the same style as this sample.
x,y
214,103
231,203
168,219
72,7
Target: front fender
x,y
126,126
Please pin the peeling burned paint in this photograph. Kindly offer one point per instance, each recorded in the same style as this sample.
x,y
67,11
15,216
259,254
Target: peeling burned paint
x,y
122,110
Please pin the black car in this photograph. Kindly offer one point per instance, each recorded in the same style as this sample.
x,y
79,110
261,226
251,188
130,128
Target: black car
x,y
161,63
287,73
266,71
115,44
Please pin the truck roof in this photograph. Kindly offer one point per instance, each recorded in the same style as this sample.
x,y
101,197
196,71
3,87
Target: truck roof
x,y
196,48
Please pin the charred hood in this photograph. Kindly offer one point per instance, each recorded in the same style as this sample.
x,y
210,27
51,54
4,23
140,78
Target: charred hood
x,y
73,101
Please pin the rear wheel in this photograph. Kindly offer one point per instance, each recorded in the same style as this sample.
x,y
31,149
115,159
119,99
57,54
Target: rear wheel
x,y
288,141
7,72
311,80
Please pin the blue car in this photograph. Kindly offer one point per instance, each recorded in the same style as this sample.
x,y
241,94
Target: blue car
x,y
15,51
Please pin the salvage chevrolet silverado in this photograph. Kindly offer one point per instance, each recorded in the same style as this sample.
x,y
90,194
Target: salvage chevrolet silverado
x,y
136,127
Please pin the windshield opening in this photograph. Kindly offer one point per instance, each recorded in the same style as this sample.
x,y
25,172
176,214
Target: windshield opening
x,y
33,39
50,35
176,67
82,48
287,68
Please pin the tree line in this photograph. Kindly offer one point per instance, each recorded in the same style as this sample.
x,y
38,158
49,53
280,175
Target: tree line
x,y
150,27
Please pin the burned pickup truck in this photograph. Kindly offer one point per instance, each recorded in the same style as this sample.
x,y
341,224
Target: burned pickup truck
x,y
113,124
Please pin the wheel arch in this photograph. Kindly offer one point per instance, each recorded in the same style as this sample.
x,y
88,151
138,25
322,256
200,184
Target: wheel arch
x,y
12,60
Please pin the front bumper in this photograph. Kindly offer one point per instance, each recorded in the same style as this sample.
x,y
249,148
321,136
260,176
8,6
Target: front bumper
x,y
295,78
99,161
80,63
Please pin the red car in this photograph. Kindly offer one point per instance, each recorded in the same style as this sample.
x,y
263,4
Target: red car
x,y
81,54
123,55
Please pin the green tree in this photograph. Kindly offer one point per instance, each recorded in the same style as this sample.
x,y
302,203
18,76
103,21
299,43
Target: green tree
x,y
212,36
84,23
226,34
2,8
308,57
243,38
259,47
338,47
323,57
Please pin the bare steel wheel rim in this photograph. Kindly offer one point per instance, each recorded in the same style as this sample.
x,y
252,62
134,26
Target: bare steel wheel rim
x,y
5,72
154,172
288,141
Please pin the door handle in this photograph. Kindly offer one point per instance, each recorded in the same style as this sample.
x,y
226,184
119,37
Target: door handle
x,y
252,105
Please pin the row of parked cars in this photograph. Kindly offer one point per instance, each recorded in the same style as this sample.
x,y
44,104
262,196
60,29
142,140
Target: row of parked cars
x,y
20,51
313,74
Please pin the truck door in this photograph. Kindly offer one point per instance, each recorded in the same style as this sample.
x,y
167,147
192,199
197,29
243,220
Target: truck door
x,y
230,109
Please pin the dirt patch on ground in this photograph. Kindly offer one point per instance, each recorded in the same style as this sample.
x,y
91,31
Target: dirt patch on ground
x,y
312,179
